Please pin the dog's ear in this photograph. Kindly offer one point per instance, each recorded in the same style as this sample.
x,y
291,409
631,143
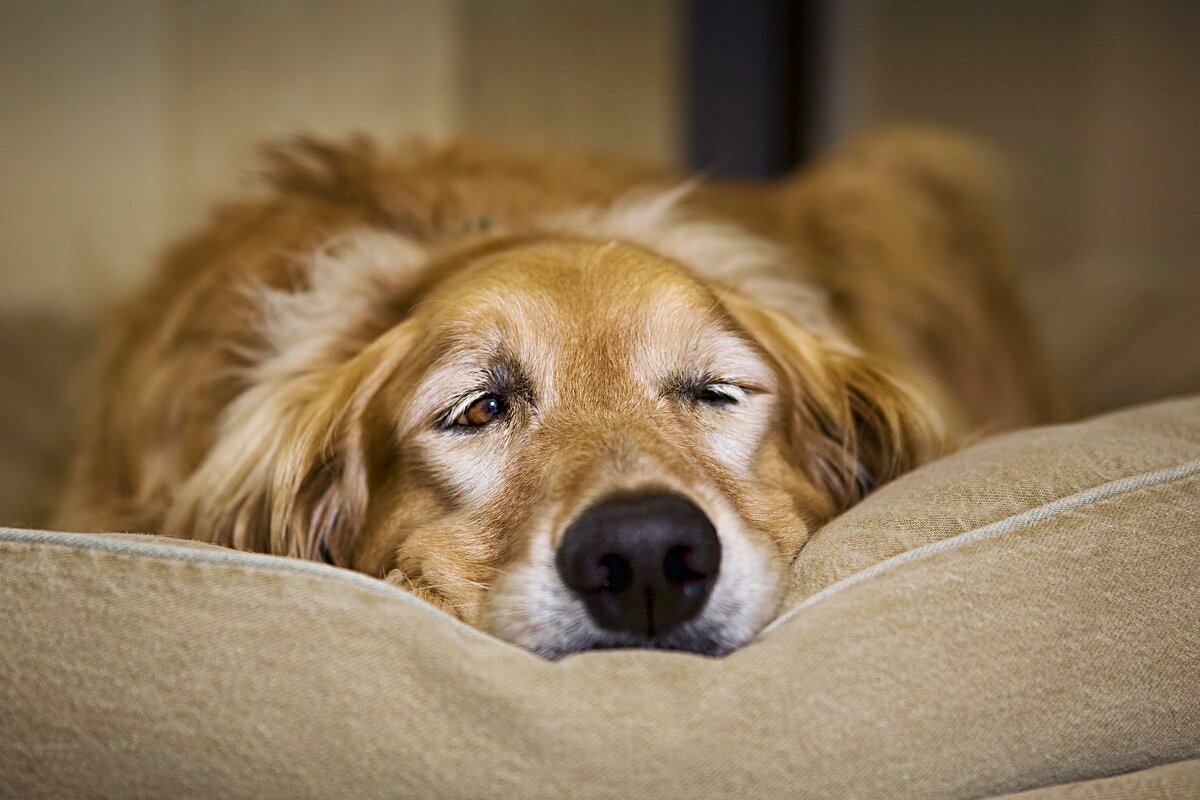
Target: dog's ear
x,y
850,425
288,473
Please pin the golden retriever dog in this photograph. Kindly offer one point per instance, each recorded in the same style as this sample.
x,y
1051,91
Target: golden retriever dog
x,y
571,401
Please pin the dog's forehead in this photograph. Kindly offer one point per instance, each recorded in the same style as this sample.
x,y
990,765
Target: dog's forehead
x,y
576,315
577,290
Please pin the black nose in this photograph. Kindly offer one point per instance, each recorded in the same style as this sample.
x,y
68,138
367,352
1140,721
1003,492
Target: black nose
x,y
641,563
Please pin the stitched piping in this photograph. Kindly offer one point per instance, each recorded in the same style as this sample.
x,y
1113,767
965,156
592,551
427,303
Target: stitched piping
x,y
1032,516
237,558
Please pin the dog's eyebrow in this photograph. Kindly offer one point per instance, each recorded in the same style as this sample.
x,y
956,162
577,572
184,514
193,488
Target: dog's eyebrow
x,y
484,361
509,376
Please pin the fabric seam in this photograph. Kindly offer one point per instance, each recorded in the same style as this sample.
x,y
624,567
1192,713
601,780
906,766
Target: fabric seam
x,y
1095,494
234,558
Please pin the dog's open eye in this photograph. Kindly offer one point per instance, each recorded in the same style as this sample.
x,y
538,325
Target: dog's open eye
x,y
482,411
719,394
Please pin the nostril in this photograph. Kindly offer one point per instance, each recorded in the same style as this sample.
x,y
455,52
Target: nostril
x,y
619,574
676,567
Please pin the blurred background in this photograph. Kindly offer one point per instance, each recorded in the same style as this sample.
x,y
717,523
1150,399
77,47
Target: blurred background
x,y
121,121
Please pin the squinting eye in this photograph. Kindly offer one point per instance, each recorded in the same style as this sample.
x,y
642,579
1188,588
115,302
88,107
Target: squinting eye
x,y
481,412
719,394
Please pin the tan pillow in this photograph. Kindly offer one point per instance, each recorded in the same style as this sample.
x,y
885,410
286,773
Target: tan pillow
x,y
1022,614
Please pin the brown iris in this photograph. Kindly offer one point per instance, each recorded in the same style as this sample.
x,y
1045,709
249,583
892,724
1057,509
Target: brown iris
x,y
484,410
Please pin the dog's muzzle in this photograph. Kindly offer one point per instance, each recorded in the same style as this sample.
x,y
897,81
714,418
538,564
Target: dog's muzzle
x,y
641,563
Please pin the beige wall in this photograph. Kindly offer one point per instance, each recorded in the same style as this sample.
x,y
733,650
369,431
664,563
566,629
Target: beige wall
x,y
83,99
1097,104
588,73
239,72
122,120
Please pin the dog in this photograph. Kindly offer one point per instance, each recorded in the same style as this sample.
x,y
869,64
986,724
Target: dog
x,y
576,402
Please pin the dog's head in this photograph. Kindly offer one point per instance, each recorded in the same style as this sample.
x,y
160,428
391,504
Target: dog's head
x,y
572,442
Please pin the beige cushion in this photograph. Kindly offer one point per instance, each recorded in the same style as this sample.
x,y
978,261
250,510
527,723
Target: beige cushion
x,y
1020,615
1177,781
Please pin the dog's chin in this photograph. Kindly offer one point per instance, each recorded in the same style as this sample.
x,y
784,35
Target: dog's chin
x,y
699,638
562,627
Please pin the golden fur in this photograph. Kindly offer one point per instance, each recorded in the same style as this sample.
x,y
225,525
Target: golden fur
x,y
283,381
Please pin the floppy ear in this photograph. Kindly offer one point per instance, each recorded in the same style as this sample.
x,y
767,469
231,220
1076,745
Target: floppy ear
x,y
288,473
850,424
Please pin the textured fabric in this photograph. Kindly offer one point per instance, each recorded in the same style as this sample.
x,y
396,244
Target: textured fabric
x,y
1058,646
1077,501
1179,781
996,479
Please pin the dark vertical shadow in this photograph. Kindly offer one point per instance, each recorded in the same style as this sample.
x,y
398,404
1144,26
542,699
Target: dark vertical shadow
x,y
749,67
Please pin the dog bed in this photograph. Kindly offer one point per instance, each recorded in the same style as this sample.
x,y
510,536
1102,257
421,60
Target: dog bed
x,y
1023,616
